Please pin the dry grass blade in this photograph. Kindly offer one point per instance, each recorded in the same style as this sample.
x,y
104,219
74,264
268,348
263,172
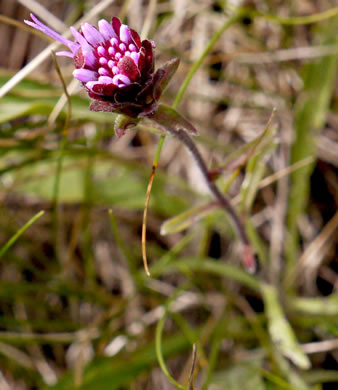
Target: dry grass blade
x,y
313,255
193,364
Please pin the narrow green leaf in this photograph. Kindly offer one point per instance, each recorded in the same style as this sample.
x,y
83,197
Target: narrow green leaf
x,y
295,381
159,351
202,264
257,242
316,306
12,240
280,330
187,218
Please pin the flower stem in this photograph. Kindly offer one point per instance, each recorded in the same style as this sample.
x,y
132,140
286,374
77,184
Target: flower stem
x,y
248,259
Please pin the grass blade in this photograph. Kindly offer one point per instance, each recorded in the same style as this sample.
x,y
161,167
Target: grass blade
x,y
12,240
280,330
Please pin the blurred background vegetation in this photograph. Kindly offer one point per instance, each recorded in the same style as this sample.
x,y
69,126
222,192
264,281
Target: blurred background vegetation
x,y
76,308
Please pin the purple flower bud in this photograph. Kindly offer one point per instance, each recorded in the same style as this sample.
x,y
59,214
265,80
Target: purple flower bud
x,y
92,35
114,66
125,34
101,51
106,30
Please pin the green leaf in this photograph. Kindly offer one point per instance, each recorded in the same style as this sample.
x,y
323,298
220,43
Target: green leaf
x,y
290,373
187,218
281,331
206,265
166,72
316,306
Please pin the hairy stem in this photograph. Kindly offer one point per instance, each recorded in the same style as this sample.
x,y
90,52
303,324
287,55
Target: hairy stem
x,y
248,258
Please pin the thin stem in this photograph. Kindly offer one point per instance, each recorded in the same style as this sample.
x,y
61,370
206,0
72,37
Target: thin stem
x,y
158,150
248,258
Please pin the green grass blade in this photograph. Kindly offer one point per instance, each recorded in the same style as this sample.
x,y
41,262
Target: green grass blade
x,y
200,264
159,353
280,330
318,306
12,240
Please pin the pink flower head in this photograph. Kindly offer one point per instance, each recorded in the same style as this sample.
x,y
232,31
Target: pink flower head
x,y
114,66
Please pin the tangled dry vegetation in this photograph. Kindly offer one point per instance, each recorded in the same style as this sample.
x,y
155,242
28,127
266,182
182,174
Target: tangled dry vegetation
x,y
76,308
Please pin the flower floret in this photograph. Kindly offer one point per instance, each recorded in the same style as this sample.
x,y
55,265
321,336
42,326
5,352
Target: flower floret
x,y
73,46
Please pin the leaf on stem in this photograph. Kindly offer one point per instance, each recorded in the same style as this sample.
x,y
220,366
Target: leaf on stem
x,y
164,75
